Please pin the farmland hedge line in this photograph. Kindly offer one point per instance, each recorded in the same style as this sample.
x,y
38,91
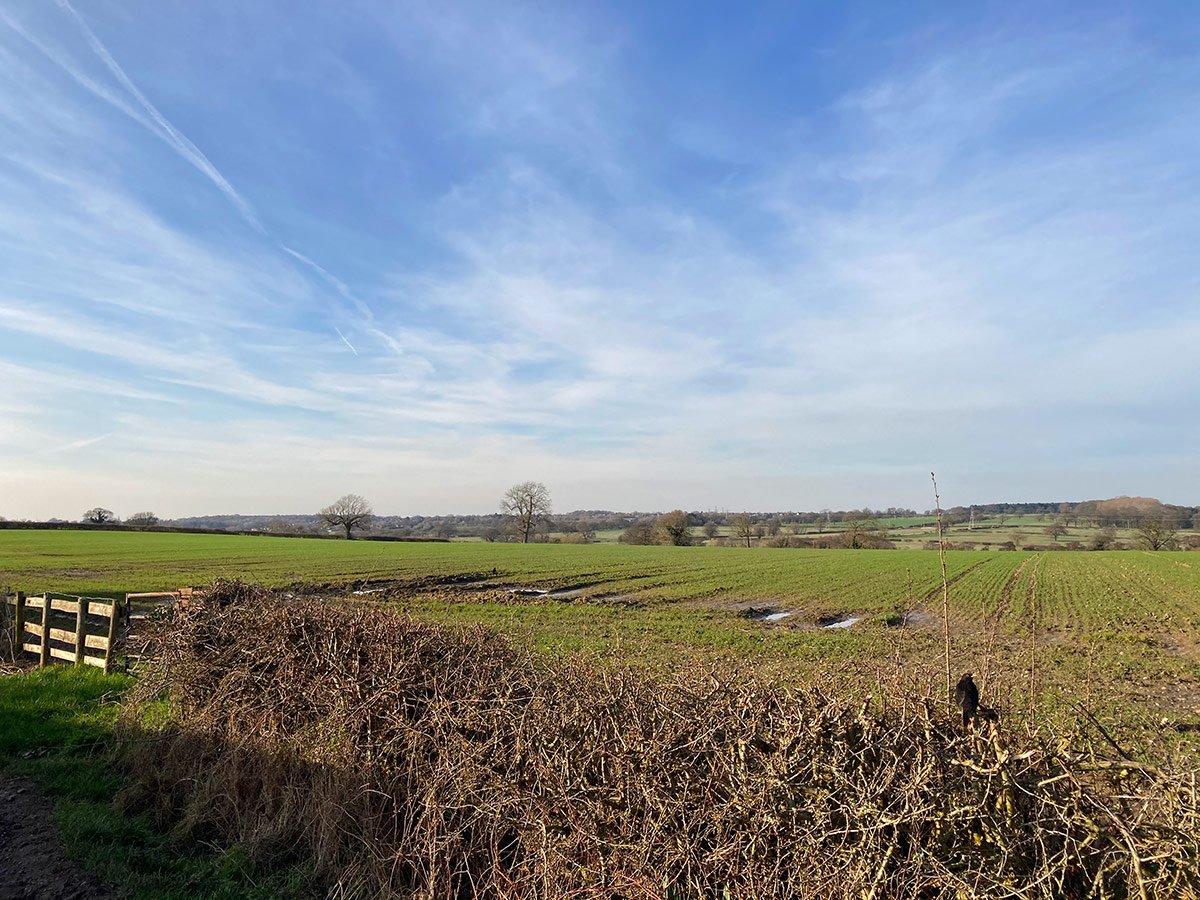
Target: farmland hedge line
x,y
172,529
405,759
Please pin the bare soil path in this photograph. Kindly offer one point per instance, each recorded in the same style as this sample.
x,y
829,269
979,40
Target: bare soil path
x,y
33,861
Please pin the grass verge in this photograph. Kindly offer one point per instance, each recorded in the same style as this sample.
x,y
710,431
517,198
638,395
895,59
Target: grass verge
x,y
56,728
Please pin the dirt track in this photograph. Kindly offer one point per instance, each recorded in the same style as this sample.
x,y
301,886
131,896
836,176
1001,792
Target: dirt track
x,y
33,861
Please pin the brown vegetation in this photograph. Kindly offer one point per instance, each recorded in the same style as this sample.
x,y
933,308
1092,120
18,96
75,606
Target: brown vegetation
x,y
412,760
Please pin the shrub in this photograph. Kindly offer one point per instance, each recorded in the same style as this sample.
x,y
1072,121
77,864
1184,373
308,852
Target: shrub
x,y
641,532
406,759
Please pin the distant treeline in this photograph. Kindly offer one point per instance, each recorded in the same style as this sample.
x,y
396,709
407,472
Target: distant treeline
x,y
494,526
8,524
582,525
1117,512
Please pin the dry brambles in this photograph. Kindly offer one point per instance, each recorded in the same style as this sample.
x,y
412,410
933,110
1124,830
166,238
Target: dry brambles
x,y
410,760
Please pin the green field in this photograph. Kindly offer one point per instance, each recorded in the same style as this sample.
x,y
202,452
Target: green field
x,y
1127,620
1047,634
115,562
1075,589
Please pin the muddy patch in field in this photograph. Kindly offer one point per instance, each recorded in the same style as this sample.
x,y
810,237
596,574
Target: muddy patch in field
x,y
571,591
75,573
916,618
1176,645
766,613
630,600
379,588
566,592
581,591
526,591
776,615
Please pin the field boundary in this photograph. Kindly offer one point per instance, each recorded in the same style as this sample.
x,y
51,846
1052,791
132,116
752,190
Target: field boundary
x,y
181,529
66,629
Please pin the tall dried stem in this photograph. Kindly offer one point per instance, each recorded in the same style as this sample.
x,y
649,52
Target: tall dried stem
x,y
945,590
1031,599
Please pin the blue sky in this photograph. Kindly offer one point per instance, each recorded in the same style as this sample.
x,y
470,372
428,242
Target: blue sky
x,y
775,256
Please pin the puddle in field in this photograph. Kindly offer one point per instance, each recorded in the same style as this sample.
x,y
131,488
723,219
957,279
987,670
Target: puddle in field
x,y
765,613
574,592
563,593
630,600
567,593
526,592
775,614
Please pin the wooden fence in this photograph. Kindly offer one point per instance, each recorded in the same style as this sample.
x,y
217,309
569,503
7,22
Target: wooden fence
x,y
181,598
67,628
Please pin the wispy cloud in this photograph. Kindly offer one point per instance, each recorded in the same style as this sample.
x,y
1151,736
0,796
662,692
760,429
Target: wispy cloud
x,y
963,247
163,128
149,116
80,444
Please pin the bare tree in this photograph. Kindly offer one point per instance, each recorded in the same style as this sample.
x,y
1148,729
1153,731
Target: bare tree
x,y
710,529
675,528
348,512
142,519
1157,534
528,503
743,528
1056,530
98,515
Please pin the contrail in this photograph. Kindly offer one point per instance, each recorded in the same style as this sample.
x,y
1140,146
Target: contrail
x,y
165,130
344,340
85,442
332,280
83,80
158,125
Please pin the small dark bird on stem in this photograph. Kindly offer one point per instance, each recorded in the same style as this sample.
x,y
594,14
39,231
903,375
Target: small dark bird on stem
x,y
966,697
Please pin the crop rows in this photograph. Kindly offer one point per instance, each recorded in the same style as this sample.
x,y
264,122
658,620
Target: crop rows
x,y
1074,590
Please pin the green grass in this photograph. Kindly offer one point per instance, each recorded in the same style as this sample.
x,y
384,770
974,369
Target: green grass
x,y
1131,587
56,727
1128,619
907,521
990,533
107,563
